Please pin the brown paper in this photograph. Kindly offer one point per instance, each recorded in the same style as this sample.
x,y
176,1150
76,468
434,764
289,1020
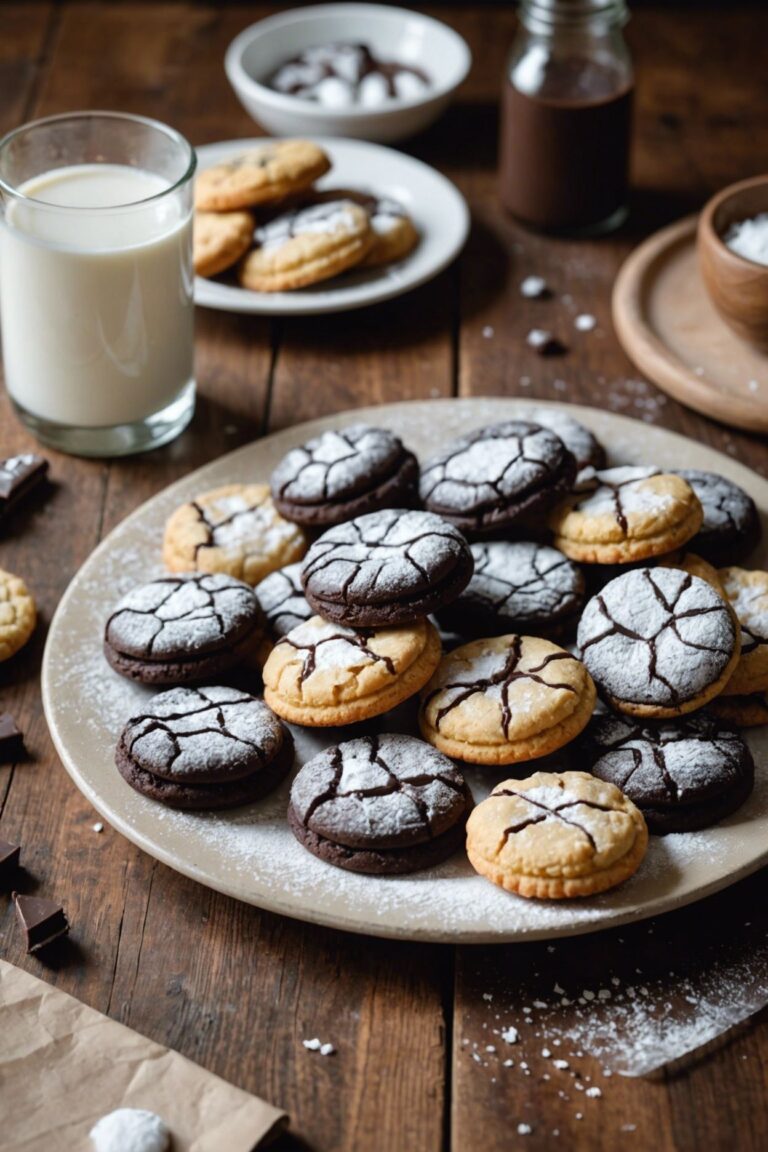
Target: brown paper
x,y
63,1066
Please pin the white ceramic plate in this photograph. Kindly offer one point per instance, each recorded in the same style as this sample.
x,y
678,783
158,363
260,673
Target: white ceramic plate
x,y
250,853
436,206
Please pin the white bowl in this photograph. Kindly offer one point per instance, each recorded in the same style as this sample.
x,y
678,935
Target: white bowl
x,y
392,34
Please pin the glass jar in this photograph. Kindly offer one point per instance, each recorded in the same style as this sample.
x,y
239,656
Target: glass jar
x,y
566,116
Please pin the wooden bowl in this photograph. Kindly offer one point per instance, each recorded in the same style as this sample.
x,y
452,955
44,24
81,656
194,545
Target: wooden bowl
x,y
737,287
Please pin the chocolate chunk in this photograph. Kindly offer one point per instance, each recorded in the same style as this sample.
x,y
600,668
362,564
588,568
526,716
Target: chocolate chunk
x,y
11,739
19,475
9,862
43,920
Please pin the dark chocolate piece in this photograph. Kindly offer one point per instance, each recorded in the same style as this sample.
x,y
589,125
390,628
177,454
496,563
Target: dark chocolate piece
x,y
9,862
11,739
19,475
43,920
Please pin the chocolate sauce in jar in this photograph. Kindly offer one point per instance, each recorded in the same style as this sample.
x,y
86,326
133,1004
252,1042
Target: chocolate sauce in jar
x,y
566,117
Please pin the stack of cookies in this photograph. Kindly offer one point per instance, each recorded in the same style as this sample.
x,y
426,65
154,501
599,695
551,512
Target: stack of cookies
x,y
549,578
260,213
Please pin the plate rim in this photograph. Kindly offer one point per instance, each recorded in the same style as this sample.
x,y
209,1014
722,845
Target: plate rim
x,y
255,304
315,915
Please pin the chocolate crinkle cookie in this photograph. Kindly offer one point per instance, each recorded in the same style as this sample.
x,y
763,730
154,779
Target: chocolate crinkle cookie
x,y
183,629
517,586
683,775
204,748
384,804
499,478
344,473
658,642
389,567
731,527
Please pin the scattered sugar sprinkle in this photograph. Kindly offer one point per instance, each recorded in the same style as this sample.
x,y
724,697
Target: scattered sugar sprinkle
x,y
594,1093
98,827
524,1129
318,1046
585,322
510,1036
534,288
488,332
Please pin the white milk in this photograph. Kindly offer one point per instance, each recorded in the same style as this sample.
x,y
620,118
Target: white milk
x,y
96,307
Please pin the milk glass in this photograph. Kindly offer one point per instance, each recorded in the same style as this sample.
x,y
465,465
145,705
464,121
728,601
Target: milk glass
x,y
96,306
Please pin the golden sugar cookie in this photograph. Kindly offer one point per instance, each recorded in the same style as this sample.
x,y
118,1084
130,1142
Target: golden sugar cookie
x,y
18,614
556,835
219,239
506,699
747,592
265,174
235,529
628,514
322,674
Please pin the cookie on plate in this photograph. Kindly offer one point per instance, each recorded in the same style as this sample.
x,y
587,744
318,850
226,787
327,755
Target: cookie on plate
x,y
683,774
184,629
307,245
584,446
219,239
235,529
18,614
384,805
498,478
516,587
747,592
556,835
389,567
322,674
264,174
506,699
658,642
731,527
394,232
204,748
629,514
282,600
343,473
741,711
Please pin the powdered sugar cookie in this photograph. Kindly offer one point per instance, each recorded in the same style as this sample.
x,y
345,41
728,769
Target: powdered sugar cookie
x,y
322,674
344,473
497,478
683,774
731,526
584,446
658,642
630,514
307,245
556,835
265,174
748,594
506,699
234,529
516,587
384,804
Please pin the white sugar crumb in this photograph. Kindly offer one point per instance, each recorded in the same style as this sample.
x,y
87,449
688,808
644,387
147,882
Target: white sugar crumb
x,y
594,1092
560,991
561,1064
540,1004
534,287
546,1053
579,1115
585,322
539,337
316,1045
510,1036
488,332
490,1048
524,1129
509,1063
327,1049
488,996
99,827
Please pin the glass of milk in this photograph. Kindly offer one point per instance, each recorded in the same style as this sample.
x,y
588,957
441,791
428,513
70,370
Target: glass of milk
x,y
96,281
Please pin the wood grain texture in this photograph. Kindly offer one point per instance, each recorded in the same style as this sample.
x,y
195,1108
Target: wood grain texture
x,y
236,989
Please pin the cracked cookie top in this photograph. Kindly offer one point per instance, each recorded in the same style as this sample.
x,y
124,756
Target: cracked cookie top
x,y
747,592
658,638
400,562
235,529
384,791
178,617
490,479
626,514
203,735
555,825
731,525
584,446
669,764
518,587
337,465
282,600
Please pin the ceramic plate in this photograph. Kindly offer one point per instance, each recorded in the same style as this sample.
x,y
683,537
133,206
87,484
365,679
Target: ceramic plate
x,y
436,206
250,853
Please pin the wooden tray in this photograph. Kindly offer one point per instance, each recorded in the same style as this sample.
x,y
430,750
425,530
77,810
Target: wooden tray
x,y
250,853
668,326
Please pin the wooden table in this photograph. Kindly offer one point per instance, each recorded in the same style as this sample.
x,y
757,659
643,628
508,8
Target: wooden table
x,y
227,985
